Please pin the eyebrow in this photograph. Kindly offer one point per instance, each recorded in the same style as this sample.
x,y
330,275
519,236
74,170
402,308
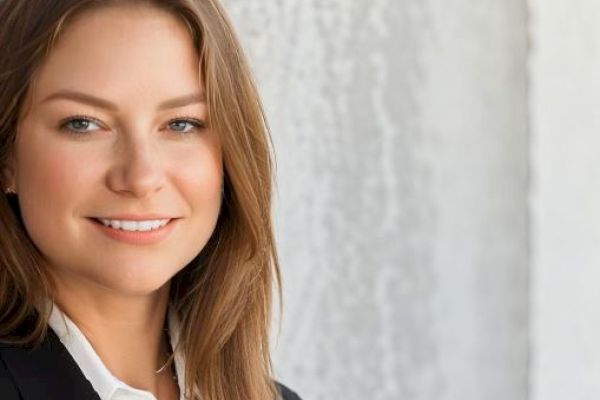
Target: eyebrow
x,y
102,103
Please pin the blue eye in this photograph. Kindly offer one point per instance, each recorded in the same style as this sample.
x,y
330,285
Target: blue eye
x,y
80,125
179,125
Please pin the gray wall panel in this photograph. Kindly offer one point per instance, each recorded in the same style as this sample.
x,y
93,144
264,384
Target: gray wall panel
x,y
401,138
565,94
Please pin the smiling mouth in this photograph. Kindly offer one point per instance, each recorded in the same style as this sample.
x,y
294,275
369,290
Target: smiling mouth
x,y
133,225
136,232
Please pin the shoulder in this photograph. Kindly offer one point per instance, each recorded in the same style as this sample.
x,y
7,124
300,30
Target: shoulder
x,y
287,393
43,371
8,388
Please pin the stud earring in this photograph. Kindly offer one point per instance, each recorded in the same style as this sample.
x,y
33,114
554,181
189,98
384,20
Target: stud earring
x,y
10,191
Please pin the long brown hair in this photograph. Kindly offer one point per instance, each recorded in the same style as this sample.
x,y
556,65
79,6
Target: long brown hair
x,y
223,297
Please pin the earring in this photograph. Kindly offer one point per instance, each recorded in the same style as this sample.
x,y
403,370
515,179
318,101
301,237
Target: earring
x,y
10,191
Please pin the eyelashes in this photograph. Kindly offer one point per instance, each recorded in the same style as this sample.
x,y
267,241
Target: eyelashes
x,y
68,124
79,125
195,123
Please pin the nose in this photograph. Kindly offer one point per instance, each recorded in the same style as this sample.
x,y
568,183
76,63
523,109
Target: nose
x,y
137,170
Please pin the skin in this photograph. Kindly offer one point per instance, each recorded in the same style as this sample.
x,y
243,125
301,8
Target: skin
x,y
132,160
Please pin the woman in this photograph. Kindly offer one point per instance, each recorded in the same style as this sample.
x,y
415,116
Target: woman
x,y
137,253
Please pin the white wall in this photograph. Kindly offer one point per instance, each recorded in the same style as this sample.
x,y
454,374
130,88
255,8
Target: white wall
x,y
565,101
401,135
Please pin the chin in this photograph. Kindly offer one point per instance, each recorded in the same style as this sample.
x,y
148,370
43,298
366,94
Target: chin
x,y
91,284
120,273
136,288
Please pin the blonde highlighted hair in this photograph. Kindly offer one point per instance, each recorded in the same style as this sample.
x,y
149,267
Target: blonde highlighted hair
x,y
223,297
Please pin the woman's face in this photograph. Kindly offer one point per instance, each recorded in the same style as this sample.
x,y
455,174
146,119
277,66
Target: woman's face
x,y
115,132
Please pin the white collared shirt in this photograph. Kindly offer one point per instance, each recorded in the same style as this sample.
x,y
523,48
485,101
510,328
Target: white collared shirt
x,y
103,381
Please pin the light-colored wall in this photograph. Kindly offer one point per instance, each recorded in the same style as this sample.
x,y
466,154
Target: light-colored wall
x,y
565,99
401,136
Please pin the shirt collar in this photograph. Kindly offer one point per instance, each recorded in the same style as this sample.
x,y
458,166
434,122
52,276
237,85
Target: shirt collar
x,y
102,380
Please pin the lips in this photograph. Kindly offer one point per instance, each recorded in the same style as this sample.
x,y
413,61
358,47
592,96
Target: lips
x,y
136,237
131,225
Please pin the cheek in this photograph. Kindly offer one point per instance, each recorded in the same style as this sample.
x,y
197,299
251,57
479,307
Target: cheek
x,y
200,183
200,174
50,182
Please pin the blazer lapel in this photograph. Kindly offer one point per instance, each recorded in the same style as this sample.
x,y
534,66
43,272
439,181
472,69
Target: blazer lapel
x,y
47,372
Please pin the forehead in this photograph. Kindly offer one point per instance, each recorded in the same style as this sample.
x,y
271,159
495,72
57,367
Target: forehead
x,y
127,53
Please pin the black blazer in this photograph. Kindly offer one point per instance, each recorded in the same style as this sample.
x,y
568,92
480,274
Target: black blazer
x,y
48,372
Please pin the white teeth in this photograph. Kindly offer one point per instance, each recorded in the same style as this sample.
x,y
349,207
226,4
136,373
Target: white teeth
x,y
132,226
115,224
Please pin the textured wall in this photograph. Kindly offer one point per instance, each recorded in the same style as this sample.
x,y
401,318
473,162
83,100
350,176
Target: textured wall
x,y
566,202
401,136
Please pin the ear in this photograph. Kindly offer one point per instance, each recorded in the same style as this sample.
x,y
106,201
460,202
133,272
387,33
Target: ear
x,y
8,176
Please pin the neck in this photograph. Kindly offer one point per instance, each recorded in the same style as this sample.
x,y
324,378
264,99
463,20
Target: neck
x,y
126,331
